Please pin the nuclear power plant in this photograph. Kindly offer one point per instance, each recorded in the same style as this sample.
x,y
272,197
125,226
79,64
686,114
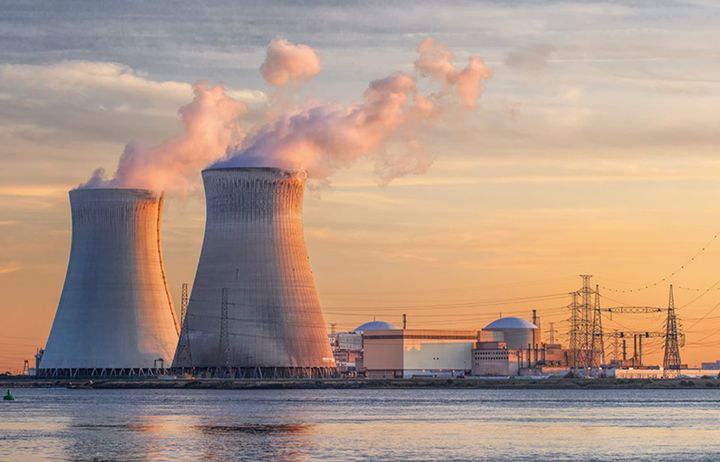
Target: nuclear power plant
x,y
115,316
254,310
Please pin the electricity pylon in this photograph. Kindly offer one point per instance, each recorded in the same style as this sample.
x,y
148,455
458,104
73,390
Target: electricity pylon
x,y
574,334
183,354
597,350
224,345
672,347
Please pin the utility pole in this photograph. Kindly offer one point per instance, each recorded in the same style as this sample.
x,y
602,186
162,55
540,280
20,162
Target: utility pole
x,y
672,347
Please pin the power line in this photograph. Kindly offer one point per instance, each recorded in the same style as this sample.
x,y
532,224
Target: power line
x,y
669,276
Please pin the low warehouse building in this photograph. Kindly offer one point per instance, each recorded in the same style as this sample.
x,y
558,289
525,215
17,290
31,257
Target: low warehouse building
x,y
399,353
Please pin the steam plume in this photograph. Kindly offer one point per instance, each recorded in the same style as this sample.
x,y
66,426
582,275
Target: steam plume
x,y
317,137
321,138
210,126
437,61
286,62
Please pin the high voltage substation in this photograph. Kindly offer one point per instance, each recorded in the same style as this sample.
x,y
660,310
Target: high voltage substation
x,y
587,337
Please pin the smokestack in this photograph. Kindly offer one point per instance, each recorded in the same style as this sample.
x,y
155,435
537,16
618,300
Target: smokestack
x,y
115,315
255,248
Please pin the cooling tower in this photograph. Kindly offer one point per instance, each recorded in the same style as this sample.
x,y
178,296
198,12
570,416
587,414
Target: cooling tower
x,y
115,315
254,311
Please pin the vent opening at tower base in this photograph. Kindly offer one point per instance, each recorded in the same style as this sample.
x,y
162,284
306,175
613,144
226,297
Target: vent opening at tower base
x,y
258,372
100,372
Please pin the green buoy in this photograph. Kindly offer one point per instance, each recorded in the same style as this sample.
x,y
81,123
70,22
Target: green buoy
x,y
9,396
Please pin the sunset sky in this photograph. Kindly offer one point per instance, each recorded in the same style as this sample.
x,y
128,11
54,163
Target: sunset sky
x,y
593,149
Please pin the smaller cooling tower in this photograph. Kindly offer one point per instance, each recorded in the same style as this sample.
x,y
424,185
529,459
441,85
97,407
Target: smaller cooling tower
x,y
115,315
254,311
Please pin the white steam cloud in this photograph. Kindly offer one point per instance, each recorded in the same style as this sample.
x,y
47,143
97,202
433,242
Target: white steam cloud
x,y
286,62
210,127
316,137
321,138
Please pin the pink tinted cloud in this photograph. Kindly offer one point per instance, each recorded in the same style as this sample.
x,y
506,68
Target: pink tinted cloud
x,y
437,61
210,126
286,62
323,137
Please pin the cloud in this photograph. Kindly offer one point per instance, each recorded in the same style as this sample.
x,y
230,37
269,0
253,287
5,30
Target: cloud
x,y
436,60
286,62
9,267
532,59
210,126
72,101
321,138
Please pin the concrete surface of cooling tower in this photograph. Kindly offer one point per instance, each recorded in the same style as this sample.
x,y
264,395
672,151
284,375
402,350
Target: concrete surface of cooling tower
x,y
254,248
115,315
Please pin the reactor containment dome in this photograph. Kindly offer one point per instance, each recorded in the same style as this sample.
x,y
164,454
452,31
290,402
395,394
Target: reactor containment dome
x,y
115,316
516,332
374,325
254,310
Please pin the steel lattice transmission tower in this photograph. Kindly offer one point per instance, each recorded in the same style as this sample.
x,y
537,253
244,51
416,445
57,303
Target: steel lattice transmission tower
x,y
672,347
183,349
585,341
597,350
574,334
616,347
586,333
224,330
183,303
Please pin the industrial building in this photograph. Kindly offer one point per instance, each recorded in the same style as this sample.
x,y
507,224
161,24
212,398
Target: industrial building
x,y
115,316
406,353
511,346
254,310
495,359
347,347
517,333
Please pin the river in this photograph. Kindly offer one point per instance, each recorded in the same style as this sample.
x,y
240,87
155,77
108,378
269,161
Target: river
x,y
344,425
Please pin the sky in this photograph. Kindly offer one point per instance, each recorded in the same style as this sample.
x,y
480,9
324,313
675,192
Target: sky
x,y
593,149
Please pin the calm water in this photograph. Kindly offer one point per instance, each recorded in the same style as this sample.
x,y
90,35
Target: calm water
x,y
52,424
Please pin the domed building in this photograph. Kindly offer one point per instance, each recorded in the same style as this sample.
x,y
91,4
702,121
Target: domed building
x,y
374,325
518,333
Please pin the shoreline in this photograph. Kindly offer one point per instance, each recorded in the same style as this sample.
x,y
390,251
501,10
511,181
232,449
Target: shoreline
x,y
341,384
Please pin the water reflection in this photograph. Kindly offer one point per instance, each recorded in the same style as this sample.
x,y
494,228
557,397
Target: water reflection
x,y
253,429
298,425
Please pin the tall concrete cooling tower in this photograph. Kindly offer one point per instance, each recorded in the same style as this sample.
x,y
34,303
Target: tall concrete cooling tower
x,y
254,311
115,315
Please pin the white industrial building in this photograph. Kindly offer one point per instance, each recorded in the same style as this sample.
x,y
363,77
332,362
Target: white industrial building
x,y
407,353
